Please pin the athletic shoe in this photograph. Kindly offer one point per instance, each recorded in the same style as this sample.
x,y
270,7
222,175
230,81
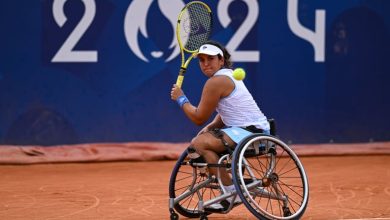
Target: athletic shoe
x,y
224,204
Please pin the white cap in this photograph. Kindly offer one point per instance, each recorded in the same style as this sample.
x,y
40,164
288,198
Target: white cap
x,y
210,49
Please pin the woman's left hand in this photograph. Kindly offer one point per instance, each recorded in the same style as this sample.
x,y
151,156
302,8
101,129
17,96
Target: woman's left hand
x,y
176,92
204,130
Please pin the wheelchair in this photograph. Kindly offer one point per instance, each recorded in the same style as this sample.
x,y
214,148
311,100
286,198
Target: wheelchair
x,y
268,177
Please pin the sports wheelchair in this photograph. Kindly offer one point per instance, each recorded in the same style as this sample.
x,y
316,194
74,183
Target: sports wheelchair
x,y
268,177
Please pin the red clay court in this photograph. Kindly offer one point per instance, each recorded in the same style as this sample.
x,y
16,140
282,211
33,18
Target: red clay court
x,y
349,183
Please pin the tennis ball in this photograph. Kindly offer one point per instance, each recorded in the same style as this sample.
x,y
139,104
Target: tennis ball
x,y
239,73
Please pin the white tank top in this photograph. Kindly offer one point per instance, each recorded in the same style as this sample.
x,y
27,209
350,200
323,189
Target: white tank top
x,y
239,108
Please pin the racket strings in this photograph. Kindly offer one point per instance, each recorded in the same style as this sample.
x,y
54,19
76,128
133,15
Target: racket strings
x,y
199,25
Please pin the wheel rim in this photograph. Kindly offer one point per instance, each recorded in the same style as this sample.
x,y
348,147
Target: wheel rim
x,y
287,177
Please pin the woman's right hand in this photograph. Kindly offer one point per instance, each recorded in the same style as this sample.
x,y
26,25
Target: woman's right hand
x,y
176,92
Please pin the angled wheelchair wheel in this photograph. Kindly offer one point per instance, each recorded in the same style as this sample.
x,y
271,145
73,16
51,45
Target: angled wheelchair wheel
x,y
189,186
269,178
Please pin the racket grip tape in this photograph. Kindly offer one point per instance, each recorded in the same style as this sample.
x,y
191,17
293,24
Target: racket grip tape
x,y
180,78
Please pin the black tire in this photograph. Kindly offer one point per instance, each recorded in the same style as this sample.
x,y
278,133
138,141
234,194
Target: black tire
x,y
174,216
277,172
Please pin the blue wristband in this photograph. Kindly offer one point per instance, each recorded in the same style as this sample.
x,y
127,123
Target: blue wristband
x,y
182,100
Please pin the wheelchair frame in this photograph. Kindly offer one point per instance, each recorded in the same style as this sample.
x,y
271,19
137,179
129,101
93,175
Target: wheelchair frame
x,y
268,177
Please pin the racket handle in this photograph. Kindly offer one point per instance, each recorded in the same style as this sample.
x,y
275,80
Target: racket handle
x,y
180,78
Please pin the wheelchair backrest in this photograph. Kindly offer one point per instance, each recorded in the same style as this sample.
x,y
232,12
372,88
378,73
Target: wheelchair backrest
x,y
272,126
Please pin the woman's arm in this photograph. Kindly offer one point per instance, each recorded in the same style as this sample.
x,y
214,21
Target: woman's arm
x,y
216,123
214,89
207,105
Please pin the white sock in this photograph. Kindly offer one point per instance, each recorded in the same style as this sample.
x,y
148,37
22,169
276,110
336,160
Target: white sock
x,y
230,188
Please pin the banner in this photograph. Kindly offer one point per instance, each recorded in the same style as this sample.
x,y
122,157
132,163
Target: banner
x,y
82,71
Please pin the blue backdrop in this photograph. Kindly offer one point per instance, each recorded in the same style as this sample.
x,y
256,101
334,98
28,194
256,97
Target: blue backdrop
x,y
77,71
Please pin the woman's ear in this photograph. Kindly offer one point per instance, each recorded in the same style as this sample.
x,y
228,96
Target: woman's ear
x,y
222,62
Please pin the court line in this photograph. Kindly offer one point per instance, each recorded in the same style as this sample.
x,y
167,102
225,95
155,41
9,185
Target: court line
x,y
365,219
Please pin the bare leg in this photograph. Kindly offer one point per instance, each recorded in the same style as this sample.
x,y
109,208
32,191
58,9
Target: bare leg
x,y
208,146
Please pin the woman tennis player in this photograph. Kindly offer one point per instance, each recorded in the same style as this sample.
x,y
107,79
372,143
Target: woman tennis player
x,y
238,115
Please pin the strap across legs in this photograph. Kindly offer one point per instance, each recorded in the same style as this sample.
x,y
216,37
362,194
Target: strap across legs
x,y
219,134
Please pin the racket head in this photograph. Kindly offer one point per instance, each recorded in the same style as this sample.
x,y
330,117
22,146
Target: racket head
x,y
194,26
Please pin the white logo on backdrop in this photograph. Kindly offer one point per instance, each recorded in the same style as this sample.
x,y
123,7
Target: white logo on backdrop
x,y
135,23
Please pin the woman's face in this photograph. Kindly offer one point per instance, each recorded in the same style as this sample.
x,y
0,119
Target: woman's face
x,y
210,64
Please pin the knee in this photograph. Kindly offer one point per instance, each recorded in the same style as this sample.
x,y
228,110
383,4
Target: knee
x,y
200,143
197,143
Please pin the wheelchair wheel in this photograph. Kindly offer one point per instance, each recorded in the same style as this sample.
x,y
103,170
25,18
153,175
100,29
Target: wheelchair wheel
x,y
269,178
189,184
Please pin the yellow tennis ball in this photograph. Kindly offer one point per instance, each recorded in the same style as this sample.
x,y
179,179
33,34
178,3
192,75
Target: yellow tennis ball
x,y
239,73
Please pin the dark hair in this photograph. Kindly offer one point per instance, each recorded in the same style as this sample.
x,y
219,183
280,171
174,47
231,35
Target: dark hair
x,y
226,55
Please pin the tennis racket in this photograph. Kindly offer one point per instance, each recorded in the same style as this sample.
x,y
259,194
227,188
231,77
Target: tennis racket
x,y
193,29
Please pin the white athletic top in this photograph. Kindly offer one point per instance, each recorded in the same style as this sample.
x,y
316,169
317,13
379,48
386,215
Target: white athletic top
x,y
239,109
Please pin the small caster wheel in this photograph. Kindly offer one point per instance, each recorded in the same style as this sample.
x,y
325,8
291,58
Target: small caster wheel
x,y
174,216
286,212
204,217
